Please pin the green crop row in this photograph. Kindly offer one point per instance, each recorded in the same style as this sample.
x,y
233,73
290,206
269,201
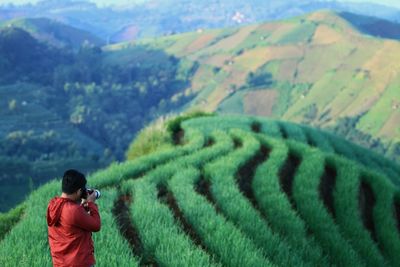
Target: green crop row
x,y
347,213
311,209
118,172
276,207
9,219
161,236
26,244
323,140
295,212
239,210
220,236
166,243
110,236
383,215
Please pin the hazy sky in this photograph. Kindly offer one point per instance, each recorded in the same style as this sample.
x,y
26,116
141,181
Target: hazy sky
x,y
394,3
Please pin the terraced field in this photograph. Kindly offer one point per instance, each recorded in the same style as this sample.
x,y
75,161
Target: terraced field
x,y
320,69
235,191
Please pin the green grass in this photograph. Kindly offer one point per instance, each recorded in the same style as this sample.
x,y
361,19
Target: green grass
x,y
234,191
7,220
300,34
346,83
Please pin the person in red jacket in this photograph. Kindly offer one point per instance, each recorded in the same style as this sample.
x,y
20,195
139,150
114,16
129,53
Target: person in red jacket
x,y
71,221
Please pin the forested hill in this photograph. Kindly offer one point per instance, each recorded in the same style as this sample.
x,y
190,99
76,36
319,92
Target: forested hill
x,y
53,32
67,108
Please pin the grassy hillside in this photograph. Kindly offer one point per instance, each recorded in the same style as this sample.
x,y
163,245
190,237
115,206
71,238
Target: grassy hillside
x,y
233,191
316,69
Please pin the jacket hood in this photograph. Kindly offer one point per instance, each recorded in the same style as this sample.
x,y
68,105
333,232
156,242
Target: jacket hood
x,y
54,210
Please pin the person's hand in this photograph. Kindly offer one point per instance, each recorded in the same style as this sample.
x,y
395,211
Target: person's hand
x,y
91,197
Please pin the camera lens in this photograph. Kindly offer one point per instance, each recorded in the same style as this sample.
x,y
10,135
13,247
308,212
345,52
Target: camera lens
x,y
97,192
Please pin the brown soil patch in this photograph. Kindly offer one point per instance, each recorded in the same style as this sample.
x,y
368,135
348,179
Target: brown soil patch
x,y
237,143
234,40
286,176
283,29
127,229
218,60
310,140
325,35
203,187
256,126
283,132
200,43
178,137
252,59
165,196
287,52
210,142
269,27
366,201
260,103
326,187
246,174
287,70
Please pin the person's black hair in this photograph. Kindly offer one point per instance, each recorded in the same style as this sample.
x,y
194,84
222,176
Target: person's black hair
x,y
72,181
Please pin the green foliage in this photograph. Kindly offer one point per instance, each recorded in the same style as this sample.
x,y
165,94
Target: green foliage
x,y
223,176
23,58
174,125
218,233
147,141
276,206
82,109
9,219
242,191
109,236
308,203
258,79
346,208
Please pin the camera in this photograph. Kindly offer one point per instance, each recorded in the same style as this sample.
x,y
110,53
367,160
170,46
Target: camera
x,y
89,191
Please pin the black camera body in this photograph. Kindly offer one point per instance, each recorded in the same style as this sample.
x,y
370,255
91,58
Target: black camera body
x,y
89,191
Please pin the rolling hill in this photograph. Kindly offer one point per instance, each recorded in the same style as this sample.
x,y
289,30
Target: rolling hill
x,y
54,33
233,191
128,20
317,69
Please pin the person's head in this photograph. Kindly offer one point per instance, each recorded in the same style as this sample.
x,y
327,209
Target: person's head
x,y
73,184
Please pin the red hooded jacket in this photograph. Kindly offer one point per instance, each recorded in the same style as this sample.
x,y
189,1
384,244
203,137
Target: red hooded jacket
x,y
70,229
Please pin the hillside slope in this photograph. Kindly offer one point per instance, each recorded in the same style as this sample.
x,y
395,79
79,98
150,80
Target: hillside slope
x,y
54,33
63,107
132,20
235,191
316,69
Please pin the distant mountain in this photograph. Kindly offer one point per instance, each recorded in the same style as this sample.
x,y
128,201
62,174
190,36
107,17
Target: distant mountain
x,y
373,26
54,33
22,57
316,69
157,18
